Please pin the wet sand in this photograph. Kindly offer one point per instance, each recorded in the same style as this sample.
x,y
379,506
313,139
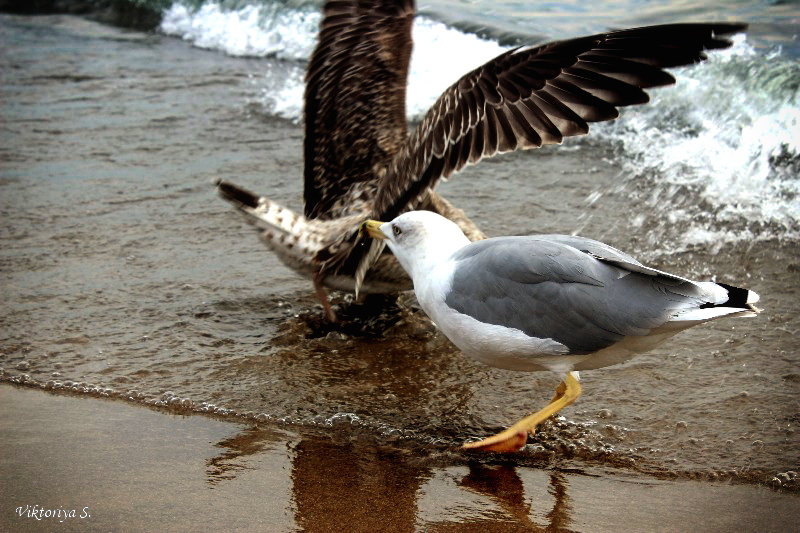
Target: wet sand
x,y
125,468
124,276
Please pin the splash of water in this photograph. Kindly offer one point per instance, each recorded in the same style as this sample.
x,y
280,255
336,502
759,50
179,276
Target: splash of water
x,y
720,149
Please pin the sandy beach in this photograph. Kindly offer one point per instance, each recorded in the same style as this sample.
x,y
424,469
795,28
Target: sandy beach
x,y
160,369
125,468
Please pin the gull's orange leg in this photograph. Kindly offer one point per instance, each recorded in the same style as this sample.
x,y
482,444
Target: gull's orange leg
x,y
560,390
515,437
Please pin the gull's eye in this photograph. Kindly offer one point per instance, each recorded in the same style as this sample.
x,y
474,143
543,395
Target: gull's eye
x,y
396,230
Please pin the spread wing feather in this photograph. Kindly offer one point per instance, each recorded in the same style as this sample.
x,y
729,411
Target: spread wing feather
x,y
355,116
526,98
529,97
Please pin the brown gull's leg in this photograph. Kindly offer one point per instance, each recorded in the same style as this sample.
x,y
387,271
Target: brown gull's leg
x,y
322,294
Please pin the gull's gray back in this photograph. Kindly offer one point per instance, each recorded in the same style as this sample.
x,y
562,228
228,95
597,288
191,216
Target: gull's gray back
x,y
574,290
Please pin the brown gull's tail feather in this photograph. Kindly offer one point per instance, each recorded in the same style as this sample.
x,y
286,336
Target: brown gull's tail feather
x,y
291,236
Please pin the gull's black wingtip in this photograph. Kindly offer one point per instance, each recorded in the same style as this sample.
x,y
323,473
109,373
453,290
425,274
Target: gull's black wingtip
x,y
722,31
235,194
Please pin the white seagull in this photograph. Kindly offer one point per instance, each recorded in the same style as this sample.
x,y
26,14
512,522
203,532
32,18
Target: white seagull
x,y
546,302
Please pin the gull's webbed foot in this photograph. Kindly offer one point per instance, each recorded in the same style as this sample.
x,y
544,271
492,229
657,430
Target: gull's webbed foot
x,y
514,438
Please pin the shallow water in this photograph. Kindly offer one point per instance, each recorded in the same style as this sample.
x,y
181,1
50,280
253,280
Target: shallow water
x,y
123,275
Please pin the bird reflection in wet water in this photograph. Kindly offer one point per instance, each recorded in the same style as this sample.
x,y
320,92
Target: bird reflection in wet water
x,y
503,485
357,486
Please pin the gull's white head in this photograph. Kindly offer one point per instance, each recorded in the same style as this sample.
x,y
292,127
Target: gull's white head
x,y
419,239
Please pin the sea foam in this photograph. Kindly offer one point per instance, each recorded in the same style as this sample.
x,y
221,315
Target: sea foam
x,y
250,30
728,131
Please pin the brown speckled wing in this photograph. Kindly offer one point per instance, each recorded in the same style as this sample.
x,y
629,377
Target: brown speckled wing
x,y
526,98
529,97
355,115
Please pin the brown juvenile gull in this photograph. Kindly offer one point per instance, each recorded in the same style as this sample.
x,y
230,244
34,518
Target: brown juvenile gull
x,y
546,302
361,162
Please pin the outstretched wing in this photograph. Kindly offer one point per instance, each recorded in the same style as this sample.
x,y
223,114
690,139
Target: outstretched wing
x,y
355,111
526,98
529,97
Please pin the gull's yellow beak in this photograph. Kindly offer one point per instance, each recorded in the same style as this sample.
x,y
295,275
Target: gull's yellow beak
x,y
372,228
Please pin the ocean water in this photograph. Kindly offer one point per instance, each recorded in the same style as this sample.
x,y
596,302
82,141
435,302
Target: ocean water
x,y
124,276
